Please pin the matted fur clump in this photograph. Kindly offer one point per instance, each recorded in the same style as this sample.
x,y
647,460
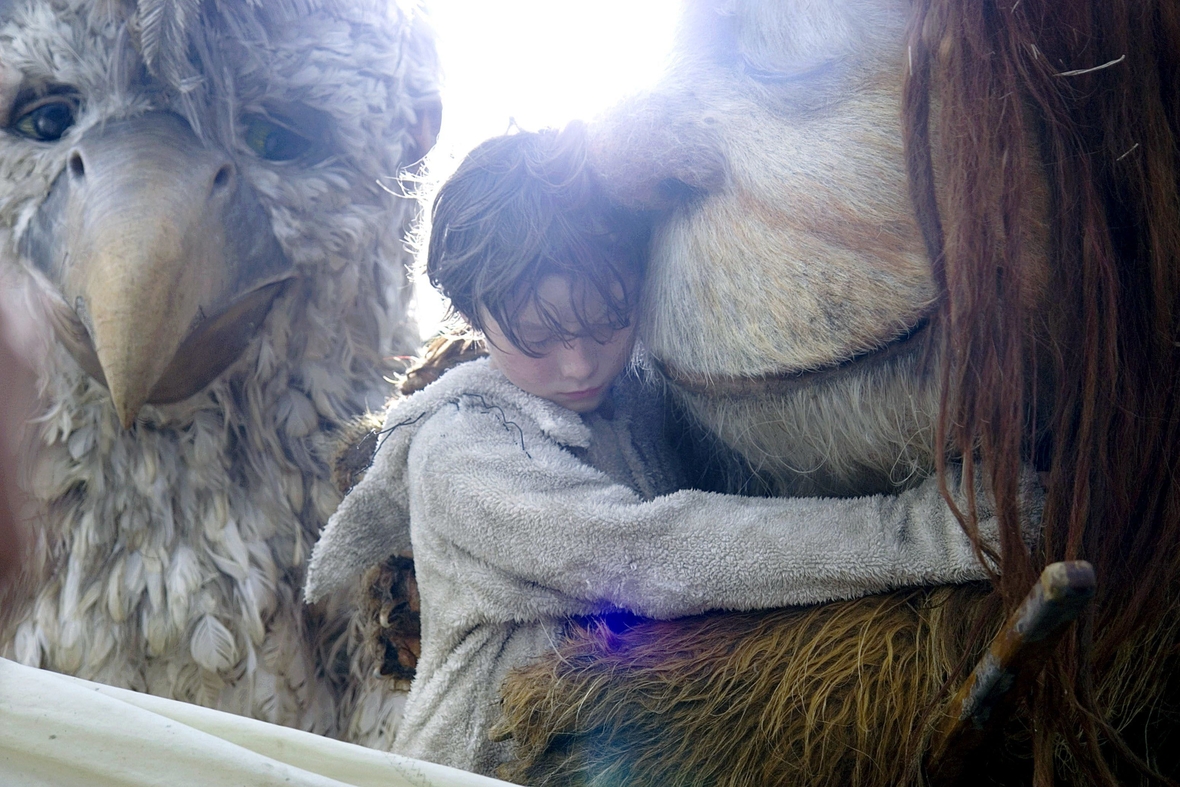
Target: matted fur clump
x,y
389,616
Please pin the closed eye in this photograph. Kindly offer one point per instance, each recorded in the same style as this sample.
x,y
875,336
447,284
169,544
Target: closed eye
x,y
773,77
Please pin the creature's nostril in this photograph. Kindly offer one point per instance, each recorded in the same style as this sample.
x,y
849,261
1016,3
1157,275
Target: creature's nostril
x,y
77,167
223,178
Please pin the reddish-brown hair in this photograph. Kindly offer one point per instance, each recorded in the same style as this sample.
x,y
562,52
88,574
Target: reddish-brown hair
x,y
1090,90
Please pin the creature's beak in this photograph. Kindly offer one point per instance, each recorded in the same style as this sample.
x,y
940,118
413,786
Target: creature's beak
x,y
165,261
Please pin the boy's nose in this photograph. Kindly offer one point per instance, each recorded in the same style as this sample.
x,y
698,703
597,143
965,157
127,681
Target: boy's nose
x,y
577,360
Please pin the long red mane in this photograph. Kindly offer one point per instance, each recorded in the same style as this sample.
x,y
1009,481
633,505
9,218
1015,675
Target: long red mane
x,y
1090,91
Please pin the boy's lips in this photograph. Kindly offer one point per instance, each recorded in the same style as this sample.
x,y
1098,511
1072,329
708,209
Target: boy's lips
x,y
583,394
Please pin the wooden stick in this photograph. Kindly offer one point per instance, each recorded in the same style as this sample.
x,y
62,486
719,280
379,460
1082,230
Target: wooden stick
x,y
1014,659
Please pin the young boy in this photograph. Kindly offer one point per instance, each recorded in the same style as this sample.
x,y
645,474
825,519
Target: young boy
x,y
533,485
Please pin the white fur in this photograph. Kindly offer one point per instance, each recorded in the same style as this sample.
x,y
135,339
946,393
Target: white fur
x,y
798,249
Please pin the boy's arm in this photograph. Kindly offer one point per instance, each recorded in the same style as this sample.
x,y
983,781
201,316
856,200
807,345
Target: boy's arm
x,y
538,514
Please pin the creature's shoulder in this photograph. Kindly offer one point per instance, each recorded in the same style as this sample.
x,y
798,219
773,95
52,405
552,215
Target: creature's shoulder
x,y
440,354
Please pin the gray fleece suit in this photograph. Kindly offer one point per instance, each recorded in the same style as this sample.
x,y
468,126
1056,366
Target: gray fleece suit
x,y
521,514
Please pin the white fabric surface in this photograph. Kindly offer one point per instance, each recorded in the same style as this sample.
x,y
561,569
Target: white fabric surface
x,y
60,731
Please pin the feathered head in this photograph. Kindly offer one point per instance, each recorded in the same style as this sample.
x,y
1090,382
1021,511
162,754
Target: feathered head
x,y
184,176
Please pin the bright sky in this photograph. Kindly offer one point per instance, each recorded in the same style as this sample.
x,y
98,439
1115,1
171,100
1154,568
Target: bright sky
x,y
542,62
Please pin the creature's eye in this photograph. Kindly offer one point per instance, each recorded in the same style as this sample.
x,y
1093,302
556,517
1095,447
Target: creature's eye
x,y
45,119
785,76
274,141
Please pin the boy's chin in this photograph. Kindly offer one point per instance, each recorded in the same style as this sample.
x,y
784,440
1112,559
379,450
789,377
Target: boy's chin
x,y
582,409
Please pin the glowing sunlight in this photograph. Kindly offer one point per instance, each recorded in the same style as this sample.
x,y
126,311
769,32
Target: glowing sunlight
x,y
540,63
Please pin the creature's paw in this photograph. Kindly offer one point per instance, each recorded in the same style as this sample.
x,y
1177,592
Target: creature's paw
x,y
388,614
349,451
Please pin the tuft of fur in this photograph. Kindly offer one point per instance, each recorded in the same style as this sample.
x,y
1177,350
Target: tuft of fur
x,y
349,450
441,353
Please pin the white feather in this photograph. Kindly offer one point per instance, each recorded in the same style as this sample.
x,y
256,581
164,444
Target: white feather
x,y
212,645
28,647
297,414
115,596
229,552
184,577
81,442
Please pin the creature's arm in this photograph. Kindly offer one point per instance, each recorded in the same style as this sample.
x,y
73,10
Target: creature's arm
x,y
535,513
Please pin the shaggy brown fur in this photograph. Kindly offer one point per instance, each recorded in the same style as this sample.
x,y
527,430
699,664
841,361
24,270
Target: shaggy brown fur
x,y
442,352
1088,390
350,450
741,699
783,698
1111,436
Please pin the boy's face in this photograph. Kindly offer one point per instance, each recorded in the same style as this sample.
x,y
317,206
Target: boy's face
x,y
576,373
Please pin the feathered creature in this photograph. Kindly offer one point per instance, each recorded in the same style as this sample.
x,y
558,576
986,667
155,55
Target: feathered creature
x,y
202,194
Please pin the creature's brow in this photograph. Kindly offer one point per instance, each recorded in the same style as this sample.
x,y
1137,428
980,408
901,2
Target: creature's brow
x,y
32,91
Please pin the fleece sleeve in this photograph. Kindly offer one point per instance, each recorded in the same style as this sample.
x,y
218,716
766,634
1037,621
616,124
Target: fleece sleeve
x,y
530,509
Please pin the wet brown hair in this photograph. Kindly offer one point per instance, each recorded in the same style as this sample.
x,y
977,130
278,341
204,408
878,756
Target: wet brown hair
x,y
522,207
1091,90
